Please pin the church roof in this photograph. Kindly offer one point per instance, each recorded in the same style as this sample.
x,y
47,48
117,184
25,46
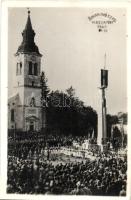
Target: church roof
x,y
13,100
13,96
28,45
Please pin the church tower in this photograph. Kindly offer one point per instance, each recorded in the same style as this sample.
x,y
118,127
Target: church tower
x,y
27,105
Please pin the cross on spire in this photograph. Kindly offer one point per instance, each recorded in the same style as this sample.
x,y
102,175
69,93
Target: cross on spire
x,y
28,11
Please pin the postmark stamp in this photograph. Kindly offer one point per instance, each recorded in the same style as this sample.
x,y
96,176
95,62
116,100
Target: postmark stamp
x,y
102,20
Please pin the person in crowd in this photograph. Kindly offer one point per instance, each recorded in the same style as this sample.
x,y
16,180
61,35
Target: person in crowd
x,y
35,168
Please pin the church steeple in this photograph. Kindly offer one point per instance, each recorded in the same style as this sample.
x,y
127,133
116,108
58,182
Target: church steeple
x,y
28,24
28,45
27,83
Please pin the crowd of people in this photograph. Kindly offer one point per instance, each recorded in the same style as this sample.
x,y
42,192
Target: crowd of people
x,y
31,171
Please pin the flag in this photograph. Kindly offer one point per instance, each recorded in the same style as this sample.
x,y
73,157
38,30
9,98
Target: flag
x,y
104,78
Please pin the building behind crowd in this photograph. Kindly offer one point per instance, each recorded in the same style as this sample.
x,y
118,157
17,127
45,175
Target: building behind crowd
x,y
24,106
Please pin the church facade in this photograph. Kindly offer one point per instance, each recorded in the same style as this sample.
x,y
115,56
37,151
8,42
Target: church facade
x,y
24,106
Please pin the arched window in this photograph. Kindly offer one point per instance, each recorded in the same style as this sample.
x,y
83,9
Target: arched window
x,y
12,115
30,68
35,69
31,126
20,67
32,102
32,83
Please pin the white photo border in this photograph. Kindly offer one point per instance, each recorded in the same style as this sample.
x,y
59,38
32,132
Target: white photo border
x,y
4,87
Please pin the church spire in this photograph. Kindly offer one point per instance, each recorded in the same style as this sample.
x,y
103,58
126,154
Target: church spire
x,y
28,45
28,24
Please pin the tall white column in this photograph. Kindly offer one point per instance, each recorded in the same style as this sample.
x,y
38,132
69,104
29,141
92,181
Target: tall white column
x,y
99,122
104,126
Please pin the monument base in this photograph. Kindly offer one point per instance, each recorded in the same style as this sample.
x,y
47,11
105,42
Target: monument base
x,y
103,147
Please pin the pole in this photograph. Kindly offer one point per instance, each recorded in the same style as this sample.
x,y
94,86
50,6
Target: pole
x,y
104,125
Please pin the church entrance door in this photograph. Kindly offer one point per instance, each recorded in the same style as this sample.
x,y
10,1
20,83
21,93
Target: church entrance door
x,y
31,126
32,123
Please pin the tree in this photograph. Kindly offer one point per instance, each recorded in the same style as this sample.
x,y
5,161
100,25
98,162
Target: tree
x,y
75,119
71,92
44,88
111,120
123,117
44,94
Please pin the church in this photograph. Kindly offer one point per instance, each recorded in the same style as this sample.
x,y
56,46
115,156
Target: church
x,y
24,106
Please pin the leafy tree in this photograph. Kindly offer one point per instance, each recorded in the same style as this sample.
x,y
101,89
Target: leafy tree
x,y
123,116
44,95
44,88
70,117
70,92
111,119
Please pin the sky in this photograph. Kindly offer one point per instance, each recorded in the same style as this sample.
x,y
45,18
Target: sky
x,y
73,51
